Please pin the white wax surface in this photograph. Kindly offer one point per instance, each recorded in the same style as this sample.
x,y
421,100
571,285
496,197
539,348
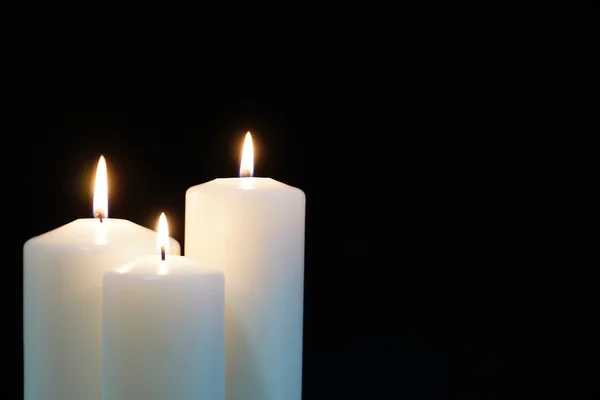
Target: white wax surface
x,y
62,298
163,331
252,229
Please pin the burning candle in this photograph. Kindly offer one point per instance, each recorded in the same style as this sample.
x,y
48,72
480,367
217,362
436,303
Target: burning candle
x,y
252,229
163,328
62,298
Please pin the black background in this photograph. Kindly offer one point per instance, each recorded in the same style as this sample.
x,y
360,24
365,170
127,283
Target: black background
x,y
399,129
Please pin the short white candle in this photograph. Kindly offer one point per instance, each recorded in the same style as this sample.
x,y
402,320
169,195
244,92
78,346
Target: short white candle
x,y
163,329
62,298
252,229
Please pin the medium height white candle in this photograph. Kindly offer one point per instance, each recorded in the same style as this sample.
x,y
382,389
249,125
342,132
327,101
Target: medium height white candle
x,y
252,229
62,298
163,328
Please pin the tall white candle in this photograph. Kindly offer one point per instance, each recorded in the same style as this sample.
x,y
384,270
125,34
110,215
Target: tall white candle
x,y
62,278
163,329
252,229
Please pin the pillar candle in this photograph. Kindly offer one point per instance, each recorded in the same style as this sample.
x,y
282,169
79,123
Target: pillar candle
x,y
62,298
252,229
163,329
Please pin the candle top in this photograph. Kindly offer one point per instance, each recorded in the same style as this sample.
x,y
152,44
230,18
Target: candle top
x,y
243,184
247,181
90,233
151,267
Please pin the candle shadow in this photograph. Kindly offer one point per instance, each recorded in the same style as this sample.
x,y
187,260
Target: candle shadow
x,y
244,377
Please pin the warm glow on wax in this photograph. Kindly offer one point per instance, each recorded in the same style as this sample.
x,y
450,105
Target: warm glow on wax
x,y
101,191
162,235
247,163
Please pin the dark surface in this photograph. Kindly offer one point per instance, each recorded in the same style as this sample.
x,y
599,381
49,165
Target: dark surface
x,y
400,135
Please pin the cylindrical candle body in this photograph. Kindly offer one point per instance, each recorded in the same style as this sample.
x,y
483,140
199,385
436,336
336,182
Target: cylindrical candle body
x,y
62,299
163,331
252,229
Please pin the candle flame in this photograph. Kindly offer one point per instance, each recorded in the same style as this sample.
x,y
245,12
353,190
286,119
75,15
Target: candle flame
x,y
162,234
101,190
247,163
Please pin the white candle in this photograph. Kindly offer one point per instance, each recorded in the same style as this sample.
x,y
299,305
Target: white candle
x,y
62,278
252,229
163,329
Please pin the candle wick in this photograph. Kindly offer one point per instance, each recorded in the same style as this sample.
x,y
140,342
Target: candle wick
x,y
100,216
162,253
245,173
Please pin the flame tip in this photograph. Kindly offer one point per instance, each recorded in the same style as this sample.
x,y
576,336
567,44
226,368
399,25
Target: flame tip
x,y
100,207
162,234
247,162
